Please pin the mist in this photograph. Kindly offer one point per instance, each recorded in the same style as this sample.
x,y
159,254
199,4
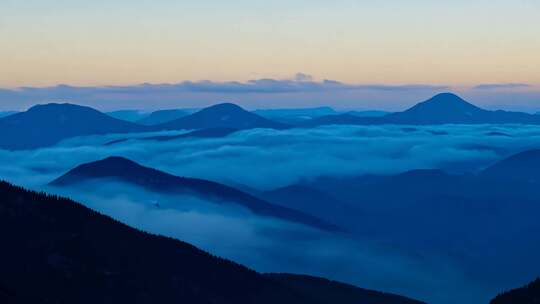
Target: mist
x,y
285,157
271,245
267,159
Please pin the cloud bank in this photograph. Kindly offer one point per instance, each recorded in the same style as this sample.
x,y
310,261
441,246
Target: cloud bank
x,y
279,158
286,156
299,91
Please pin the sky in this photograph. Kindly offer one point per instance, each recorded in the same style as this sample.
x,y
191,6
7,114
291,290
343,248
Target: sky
x,y
460,44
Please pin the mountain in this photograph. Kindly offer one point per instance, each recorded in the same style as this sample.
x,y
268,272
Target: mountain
x,y
125,170
225,115
163,116
311,201
529,294
343,119
327,291
309,112
442,108
58,251
203,133
372,113
445,108
46,125
427,204
295,115
522,166
128,115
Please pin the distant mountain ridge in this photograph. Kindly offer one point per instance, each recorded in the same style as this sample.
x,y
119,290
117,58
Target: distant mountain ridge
x,y
428,203
522,166
46,125
444,108
163,116
225,115
59,251
128,115
309,200
125,170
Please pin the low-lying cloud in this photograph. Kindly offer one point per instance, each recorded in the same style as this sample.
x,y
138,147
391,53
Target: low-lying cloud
x,y
285,157
271,245
267,159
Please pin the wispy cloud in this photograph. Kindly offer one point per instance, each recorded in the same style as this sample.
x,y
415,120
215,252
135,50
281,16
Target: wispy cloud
x,y
297,88
301,90
494,86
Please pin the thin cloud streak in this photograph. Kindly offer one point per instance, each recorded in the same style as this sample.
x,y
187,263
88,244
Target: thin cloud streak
x,y
300,90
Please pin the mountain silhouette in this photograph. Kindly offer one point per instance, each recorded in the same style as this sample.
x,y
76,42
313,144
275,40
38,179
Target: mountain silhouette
x,y
327,291
444,108
58,251
522,166
46,125
163,116
309,200
225,115
128,115
529,294
369,113
427,204
125,170
295,116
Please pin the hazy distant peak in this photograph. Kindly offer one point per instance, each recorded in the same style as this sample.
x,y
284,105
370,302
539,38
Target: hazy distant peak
x,y
58,106
227,106
445,101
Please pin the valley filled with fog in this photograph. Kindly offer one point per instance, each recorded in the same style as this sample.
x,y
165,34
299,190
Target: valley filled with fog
x,y
261,161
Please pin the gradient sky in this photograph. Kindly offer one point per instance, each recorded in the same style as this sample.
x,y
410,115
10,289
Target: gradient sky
x,y
80,42
459,43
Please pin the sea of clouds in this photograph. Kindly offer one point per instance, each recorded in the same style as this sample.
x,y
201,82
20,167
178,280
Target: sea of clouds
x,y
266,159
285,157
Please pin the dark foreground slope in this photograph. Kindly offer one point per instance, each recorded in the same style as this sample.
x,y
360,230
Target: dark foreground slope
x,y
326,291
57,251
529,294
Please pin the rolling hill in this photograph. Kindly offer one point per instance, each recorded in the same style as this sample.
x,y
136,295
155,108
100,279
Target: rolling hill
x,y
124,170
522,166
46,125
163,116
312,201
225,115
128,115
